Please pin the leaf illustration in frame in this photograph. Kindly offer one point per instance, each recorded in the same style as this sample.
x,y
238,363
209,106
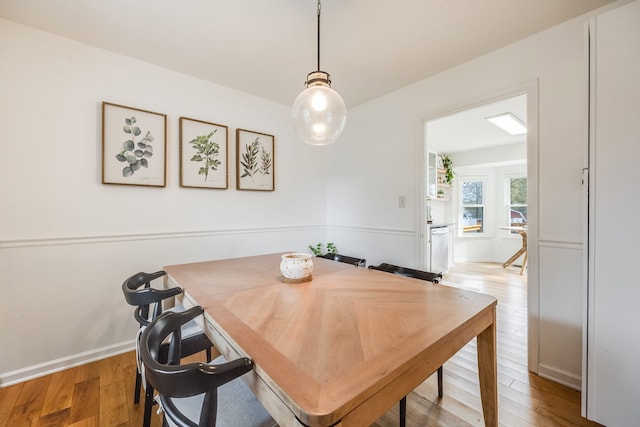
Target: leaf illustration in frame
x,y
250,159
203,154
255,167
133,146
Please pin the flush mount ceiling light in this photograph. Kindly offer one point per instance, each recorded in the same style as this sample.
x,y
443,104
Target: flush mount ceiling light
x,y
508,123
319,113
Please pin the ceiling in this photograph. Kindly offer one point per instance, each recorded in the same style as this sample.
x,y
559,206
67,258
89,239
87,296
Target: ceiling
x,y
469,130
266,48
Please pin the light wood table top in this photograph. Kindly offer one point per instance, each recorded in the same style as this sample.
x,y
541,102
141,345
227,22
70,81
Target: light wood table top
x,y
343,348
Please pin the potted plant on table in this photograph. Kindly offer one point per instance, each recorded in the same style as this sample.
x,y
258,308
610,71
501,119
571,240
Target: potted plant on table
x,y
317,249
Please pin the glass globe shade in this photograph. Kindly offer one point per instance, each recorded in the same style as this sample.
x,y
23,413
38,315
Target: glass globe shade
x,y
319,114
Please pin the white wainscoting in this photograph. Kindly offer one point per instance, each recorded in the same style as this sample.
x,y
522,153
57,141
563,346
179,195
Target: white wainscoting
x,y
62,303
376,244
560,304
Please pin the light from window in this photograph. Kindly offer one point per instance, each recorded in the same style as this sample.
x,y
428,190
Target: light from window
x,y
517,207
472,206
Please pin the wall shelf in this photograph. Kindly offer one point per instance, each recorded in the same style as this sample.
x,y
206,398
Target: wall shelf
x,y
442,186
436,180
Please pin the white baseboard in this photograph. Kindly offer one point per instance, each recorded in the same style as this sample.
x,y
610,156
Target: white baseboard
x,y
557,375
52,366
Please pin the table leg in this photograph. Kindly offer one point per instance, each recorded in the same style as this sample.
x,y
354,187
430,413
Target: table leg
x,y
524,264
522,250
514,257
488,373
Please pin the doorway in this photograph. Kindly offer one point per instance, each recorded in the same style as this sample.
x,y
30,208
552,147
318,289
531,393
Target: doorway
x,y
488,164
487,192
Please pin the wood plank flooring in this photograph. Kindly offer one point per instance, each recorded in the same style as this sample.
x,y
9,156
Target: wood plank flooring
x,y
101,393
524,399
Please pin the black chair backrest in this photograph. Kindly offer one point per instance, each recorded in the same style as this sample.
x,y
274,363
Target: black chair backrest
x,y
138,292
173,380
358,262
408,272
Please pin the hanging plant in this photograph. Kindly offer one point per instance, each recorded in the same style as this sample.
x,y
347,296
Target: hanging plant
x,y
448,168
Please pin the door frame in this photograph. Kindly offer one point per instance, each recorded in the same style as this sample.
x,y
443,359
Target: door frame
x,y
529,88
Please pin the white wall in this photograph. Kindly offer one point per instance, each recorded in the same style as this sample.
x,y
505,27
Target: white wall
x,y
67,242
501,154
612,347
379,158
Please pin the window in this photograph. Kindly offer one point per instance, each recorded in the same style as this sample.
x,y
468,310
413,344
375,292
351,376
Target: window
x,y
516,201
472,205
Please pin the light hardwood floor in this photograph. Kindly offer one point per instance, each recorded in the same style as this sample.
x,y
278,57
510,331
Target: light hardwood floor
x,y
101,393
524,399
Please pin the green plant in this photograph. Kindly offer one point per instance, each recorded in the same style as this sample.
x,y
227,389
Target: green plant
x,y
448,168
317,249
136,158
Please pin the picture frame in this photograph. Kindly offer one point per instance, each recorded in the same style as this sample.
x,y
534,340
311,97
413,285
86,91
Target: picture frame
x,y
255,165
134,146
204,148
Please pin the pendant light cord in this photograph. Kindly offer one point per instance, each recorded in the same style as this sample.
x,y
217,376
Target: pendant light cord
x,y
319,7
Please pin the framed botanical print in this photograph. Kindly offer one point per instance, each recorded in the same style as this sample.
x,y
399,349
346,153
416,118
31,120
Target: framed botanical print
x,y
255,154
203,154
134,146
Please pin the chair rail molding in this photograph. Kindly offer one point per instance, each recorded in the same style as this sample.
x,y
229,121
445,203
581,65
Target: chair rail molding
x,y
83,240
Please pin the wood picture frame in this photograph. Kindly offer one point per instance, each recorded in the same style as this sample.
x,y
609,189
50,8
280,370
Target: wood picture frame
x,y
204,148
134,146
255,165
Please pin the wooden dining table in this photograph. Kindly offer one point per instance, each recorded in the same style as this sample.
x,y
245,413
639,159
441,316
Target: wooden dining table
x,y
344,347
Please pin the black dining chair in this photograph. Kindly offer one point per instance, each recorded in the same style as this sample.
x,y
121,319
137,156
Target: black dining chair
x,y
197,394
148,301
421,275
358,262
408,272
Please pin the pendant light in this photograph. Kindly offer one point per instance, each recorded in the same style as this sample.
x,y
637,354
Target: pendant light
x,y
319,113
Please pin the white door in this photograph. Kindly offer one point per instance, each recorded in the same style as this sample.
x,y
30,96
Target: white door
x,y
611,385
